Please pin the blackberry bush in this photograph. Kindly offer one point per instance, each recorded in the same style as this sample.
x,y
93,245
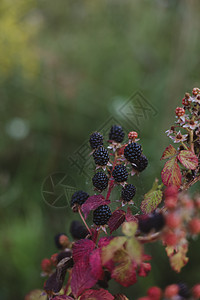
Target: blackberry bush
x,y
166,213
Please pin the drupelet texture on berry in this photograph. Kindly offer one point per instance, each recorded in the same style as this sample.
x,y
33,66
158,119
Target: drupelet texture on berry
x,y
101,215
101,156
96,140
79,198
100,181
141,163
132,152
116,134
120,173
78,230
128,192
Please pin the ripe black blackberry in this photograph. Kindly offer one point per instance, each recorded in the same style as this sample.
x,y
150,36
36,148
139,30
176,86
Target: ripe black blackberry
x,y
128,192
78,230
116,134
120,173
79,198
141,163
184,292
96,140
147,223
101,156
132,152
101,215
100,181
61,240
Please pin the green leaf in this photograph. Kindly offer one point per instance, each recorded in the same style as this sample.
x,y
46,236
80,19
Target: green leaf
x,y
152,199
129,228
188,159
109,250
171,174
134,249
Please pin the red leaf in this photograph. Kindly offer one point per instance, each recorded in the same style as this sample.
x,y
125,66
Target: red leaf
x,y
104,241
82,248
171,174
188,159
144,269
82,277
169,152
63,297
117,218
92,203
129,216
95,264
97,295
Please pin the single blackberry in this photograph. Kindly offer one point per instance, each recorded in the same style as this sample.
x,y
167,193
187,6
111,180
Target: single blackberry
x,y
183,290
128,192
96,140
149,222
78,231
101,156
116,134
100,181
61,240
132,152
79,198
141,163
101,215
120,173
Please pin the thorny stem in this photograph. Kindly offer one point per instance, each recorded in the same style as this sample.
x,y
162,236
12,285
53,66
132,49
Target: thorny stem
x,y
79,211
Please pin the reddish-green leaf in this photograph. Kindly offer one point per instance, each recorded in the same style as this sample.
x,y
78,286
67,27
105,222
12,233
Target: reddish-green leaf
x,y
117,218
169,152
97,295
178,261
171,174
151,200
188,159
36,295
129,228
109,251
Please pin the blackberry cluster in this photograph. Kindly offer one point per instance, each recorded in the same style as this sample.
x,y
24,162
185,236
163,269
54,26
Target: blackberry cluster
x,y
128,192
101,156
100,181
61,240
120,173
141,163
96,140
79,198
78,230
151,222
132,152
101,215
116,134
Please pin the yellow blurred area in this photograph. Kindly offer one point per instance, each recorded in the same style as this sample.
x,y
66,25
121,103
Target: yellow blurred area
x,y
15,35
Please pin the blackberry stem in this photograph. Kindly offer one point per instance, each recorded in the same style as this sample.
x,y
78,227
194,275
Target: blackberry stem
x,y
79,211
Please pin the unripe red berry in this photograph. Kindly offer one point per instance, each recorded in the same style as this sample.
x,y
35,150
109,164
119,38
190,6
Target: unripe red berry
x,y
54,259
173,220
46,265
171,191
194,226
196,291
195,91
132,135
185,101
180,111
171,291
171,202
170,239
154,293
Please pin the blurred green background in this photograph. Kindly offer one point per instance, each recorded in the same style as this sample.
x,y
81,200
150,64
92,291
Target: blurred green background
x,y
66,69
